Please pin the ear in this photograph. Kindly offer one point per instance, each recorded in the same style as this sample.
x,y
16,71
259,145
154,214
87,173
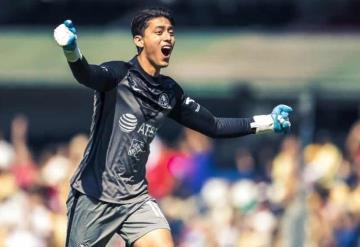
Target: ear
x,y
138,40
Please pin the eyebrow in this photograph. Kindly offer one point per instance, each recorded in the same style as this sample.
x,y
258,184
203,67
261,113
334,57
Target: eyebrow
x,y
163,27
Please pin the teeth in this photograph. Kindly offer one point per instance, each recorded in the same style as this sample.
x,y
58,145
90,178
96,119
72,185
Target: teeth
x,y
166,50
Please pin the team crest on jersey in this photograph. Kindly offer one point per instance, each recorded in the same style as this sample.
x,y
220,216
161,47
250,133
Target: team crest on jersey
x,y
136,148
127,122
164,101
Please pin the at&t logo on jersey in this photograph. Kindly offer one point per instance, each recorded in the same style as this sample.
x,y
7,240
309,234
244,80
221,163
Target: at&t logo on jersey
x,y
147,130
127,122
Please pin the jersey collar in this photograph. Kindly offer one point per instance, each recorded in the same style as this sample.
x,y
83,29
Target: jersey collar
x,y
154,80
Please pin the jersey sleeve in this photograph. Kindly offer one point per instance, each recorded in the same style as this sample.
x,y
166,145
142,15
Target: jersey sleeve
x,y
102,77
192,115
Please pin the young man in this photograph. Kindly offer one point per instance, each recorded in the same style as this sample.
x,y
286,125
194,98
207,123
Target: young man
x,y
132,99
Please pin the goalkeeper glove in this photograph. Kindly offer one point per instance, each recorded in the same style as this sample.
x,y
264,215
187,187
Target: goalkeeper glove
x,y
65,36
278,121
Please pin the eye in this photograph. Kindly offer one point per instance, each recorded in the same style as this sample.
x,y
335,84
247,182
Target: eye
x,y
159,32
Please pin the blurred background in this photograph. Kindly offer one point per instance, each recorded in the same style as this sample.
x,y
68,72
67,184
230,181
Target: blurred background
x,y
237,58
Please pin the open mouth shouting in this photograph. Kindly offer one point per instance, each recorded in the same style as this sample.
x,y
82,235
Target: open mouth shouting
x,y
166,50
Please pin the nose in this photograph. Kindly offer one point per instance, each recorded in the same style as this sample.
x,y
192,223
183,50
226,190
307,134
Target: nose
x,y
167,36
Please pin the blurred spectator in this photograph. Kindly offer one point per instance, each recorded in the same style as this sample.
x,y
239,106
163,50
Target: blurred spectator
x,y
285,171
245,164
205,206
23,168
196,164
353,151
245,167
161,181
353,143
322,163
7,154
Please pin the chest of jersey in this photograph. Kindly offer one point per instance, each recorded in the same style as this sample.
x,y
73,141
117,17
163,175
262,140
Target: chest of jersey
x,y
142,108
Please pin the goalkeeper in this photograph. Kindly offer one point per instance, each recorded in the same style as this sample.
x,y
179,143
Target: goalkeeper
x,y
132,99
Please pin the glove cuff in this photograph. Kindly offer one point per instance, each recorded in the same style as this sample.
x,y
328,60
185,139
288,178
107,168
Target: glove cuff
x,y
262,124
73,56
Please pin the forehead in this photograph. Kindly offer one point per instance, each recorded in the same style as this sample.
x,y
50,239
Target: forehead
x,y
158,22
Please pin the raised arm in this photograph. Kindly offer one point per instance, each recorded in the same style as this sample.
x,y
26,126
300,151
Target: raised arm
x,y
192,115
101,78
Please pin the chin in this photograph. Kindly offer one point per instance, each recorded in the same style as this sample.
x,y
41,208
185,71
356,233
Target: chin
x,y
163,64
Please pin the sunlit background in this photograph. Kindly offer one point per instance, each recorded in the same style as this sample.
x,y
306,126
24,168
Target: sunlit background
x,y
238,58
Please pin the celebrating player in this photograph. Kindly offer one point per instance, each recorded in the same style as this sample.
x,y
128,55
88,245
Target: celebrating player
x,y
132,99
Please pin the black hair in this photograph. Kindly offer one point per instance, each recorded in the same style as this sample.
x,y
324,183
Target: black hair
x,y
141,18
140,21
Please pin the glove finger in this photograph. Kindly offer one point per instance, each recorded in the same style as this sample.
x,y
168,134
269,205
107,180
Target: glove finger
x,y
280,119
286,124
276,110
285,108
284,114
69,24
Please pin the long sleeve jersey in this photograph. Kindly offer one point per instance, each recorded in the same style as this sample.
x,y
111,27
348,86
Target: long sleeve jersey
x,y
129,108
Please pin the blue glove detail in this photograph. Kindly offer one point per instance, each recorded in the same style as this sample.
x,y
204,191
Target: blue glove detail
x,y
72,39
280,115
69,24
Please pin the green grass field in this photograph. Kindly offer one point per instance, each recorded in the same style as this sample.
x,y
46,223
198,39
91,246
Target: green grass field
x,y
200,59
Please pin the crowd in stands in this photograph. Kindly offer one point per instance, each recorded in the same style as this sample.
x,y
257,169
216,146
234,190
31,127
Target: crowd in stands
x,y
304,198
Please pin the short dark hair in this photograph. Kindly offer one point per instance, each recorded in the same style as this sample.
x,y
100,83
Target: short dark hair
x,y
140,21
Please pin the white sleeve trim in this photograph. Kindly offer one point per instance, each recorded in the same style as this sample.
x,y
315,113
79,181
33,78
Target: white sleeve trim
x,y
73,56
262,123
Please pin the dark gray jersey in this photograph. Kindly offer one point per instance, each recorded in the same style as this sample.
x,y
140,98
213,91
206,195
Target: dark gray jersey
x,y
129,108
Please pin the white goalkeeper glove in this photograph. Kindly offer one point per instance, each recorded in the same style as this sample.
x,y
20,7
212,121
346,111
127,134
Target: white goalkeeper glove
x,y
65,36
278,121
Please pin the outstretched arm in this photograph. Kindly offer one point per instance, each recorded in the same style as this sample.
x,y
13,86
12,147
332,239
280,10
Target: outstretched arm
x,y
100,78
192,115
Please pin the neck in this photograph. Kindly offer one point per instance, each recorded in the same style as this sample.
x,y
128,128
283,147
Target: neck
x,y
147,66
